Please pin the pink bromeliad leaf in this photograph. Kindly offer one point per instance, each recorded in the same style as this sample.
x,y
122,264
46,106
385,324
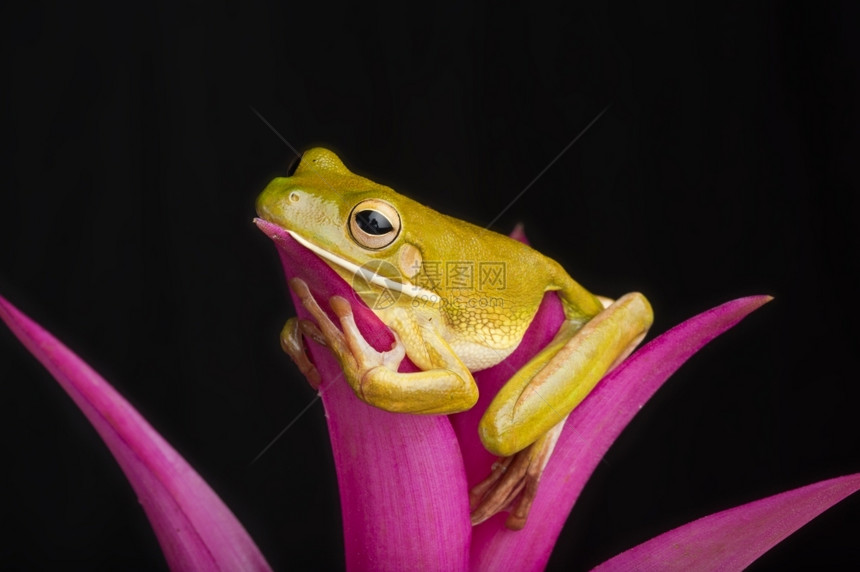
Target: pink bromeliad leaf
x,y
194,527
401,478
733,539
404,478
592,428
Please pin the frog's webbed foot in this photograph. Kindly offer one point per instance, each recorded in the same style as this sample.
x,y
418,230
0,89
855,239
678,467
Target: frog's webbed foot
x,y
442,386
355,355
513,483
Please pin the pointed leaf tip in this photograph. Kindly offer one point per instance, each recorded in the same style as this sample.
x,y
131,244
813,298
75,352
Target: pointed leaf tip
x,y
734,538
594,426
195,529
519,233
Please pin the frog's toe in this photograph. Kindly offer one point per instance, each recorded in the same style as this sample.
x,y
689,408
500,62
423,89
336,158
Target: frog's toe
x,y
364,353
340,307
495,493
325,331
311,330
513,483
294,346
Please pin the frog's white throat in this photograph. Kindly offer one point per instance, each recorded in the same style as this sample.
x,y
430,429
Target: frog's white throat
x,y
366,273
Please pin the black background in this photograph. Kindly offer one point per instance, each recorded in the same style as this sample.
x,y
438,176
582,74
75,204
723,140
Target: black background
x,y
725,166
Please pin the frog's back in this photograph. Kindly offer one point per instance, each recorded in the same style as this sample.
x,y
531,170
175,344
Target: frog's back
x,y
489,286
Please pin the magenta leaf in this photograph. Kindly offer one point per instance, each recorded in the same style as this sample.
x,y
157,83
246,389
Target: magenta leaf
x,y
734,538
194,527
404,478
401,477
592,428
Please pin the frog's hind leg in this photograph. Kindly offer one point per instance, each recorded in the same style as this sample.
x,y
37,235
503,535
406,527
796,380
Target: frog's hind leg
x,y
525,419
513,482
544,391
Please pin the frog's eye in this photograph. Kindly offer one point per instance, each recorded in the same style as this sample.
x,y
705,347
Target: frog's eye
x,y
374,224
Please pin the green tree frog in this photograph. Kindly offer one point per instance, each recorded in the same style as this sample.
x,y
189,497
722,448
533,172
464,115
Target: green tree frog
x,y
459,299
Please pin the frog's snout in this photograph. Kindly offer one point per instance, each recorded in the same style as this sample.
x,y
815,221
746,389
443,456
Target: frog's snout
x,y
276,199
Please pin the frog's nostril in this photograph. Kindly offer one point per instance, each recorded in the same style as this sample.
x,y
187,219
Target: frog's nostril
x,y
295,197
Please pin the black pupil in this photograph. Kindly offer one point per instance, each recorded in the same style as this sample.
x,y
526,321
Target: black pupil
x,y
373,222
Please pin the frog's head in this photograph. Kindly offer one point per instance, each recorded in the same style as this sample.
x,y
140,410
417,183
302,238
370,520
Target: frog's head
x,y
344,218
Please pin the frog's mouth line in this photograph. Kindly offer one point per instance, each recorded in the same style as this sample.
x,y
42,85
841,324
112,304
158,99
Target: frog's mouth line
x,y
366,273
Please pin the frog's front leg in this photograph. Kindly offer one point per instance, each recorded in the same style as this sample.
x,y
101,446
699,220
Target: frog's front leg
x,y
444,386
525,418
292,342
